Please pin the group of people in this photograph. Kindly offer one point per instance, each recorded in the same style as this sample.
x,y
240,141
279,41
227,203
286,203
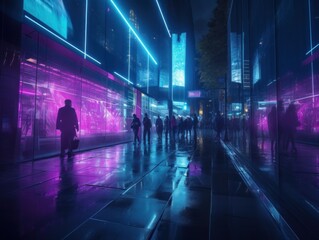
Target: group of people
x,y
170,127
67,123
285,124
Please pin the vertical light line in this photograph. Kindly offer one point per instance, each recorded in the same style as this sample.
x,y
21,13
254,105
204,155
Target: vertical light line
x,y
129,55
310,36
148,73
159,7
86,27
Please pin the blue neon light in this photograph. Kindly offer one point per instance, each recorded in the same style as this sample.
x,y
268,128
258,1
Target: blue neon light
x,y
135,34
86,27
122,77
178,59
159,7
63,40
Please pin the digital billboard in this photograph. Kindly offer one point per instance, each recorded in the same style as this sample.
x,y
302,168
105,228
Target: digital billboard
x,y
178,59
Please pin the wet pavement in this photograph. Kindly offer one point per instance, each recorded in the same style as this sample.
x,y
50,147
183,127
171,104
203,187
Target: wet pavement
x,y
166,190
289,178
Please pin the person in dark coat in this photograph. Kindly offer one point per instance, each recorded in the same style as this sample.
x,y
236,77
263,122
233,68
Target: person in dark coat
x,y
159,127
291,123
67,123
135,125
272,127
147,124
167,127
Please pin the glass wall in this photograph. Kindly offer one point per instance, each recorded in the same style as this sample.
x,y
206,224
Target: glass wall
x,y
274,71
50,74
85,52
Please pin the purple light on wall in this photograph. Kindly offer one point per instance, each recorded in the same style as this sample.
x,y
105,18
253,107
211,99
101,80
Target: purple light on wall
x,y
99,110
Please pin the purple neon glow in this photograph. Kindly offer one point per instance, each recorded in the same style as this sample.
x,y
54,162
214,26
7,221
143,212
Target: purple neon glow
x,y
99,109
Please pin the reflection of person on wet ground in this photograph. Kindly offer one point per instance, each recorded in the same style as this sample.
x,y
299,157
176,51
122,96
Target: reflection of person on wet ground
x,y
291,123
67,123
65,200
159,127
135,125
147,124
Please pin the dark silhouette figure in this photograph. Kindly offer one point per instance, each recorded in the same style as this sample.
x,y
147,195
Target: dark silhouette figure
x,y
167,127
189,126
173,127
272,127
135,125
147,124
195,124
218,124
281,124
67,123
291,124
159,127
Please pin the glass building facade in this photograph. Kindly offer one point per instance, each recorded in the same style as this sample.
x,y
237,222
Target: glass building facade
x,y
99,54
273,104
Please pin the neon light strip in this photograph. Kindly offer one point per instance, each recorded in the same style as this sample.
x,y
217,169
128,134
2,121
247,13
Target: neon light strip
x,y
135,34
312,49
312,96
122,77
74,47
159,7
86,27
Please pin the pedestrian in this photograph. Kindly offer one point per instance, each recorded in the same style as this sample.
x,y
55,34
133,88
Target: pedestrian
x,y
147,124
67,123
135,125
195,124
159,127
167,127
218,124
291,123
272,127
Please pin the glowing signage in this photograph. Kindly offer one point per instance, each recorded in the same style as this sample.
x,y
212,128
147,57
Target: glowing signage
x,y
178,59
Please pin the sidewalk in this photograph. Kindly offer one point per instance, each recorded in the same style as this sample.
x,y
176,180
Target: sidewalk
x,y
290,180
159,191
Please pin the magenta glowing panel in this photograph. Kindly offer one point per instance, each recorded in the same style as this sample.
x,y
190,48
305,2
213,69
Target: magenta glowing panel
x,y
99,109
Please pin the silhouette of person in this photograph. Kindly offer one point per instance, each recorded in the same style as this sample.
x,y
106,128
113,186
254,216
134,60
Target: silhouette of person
x,y
291,124
159,127
281,124
167,127
195,123
272,127
67,123
218,124
173,127
135,125
147,124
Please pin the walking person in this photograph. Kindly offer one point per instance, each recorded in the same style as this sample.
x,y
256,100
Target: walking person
x,y
159,127
167,127
291,123
147,124
67,123
195,124
135,125
272,128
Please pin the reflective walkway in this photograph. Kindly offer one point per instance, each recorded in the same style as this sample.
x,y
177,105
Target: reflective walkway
x,y
166,190
290,179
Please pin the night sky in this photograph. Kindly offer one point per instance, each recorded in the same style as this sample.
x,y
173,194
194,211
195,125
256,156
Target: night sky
x,y
202,12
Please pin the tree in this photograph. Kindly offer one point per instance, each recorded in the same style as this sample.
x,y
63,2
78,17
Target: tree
x,y
213,48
